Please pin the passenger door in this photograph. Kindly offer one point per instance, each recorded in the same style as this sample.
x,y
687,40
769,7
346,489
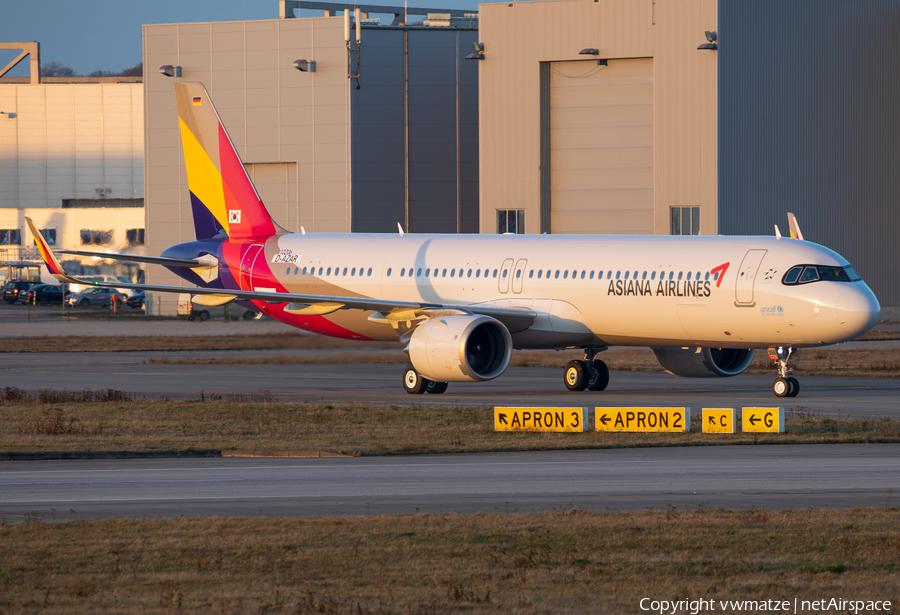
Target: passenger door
x,y
505,272
247,266
519,275
746,276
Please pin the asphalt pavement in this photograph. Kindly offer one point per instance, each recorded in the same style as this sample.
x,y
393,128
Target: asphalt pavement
x,y
775,477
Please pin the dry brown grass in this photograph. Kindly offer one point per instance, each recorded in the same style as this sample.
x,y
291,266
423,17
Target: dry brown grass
x,y
125,343
253,422
557,562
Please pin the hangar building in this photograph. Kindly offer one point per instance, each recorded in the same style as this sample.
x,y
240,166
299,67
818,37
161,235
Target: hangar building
x,y
72,159
323,153
620,116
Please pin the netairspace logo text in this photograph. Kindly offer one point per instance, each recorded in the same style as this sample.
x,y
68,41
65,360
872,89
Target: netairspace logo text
x,y
669,607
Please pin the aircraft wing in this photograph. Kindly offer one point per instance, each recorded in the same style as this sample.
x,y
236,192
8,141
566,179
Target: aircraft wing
x,y
299,303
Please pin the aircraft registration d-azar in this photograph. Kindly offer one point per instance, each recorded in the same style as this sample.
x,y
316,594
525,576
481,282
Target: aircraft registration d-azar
x,y
461,303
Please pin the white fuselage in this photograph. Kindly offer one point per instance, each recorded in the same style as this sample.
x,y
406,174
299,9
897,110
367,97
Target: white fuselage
x,y
588,290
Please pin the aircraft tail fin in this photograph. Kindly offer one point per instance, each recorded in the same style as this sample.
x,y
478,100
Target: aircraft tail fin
x,y
795,228
222,195
49,258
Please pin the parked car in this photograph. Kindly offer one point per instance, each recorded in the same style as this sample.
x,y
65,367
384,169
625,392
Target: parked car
x,y
12,289
136,300
186,307
42,294
124,292
94,296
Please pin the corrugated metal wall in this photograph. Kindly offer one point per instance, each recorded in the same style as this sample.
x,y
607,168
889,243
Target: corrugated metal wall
x,y
809,122
415,143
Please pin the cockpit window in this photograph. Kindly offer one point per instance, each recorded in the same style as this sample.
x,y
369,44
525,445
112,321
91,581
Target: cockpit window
x,y
791,276
809,275
833,274
804,274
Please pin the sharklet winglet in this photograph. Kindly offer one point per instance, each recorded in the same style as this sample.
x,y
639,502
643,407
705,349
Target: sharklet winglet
x,y
795,227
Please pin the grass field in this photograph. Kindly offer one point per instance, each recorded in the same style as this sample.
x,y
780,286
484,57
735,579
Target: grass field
x,y
105,421
556,562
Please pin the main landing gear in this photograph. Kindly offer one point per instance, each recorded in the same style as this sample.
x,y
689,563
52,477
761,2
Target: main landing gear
x,y
591,374
784,386
416,384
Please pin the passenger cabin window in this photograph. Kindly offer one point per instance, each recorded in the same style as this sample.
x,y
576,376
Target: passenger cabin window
x,y
389,272
370,271
419,272
531,273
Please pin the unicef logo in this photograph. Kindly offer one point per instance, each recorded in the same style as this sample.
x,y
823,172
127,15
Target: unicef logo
x,y
772,310
780,309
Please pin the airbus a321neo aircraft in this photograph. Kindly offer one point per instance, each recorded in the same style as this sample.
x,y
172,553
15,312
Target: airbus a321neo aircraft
x,y
461,303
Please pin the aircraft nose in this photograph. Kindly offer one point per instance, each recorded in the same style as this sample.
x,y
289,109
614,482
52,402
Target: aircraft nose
x,y
858,310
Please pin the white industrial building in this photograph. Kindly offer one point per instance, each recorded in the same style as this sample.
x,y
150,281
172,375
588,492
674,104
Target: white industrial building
x,y
72,159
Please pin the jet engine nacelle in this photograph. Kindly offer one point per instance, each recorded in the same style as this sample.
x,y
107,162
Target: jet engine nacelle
x,y
460,348
704,362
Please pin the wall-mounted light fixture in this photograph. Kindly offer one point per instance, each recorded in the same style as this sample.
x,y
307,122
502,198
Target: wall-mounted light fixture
x,y
713,38
589,52
8,114
479,52
170,71
305,66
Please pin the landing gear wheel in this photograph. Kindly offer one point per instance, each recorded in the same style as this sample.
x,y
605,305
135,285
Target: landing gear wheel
x,y
781,387
413,381
436,388
576,375
598,376
795,386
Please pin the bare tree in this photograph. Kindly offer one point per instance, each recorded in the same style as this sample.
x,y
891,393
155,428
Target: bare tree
x,y
135,71
56,69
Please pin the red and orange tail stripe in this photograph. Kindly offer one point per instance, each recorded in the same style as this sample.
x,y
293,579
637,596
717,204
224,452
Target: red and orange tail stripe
x,y
50,261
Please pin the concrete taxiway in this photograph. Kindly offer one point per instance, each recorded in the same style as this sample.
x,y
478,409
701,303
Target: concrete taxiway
x,y
776,477
381,383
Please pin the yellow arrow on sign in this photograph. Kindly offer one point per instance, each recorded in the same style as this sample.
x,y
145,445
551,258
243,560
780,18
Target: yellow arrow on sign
x,y
718,420
540,419
642,419
762,419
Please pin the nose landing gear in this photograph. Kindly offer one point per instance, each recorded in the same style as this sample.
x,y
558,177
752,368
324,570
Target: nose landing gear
x,y
784,385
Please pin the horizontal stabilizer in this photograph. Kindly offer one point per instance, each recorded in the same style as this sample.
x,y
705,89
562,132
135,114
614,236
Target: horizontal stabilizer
x,y
153,260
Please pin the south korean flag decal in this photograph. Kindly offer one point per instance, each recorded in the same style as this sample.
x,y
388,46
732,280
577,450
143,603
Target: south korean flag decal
x,y
234,216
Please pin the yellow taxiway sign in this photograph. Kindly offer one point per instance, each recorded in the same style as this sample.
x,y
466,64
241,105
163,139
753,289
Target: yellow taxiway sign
x,y
718,420
540,419
762,419
642,419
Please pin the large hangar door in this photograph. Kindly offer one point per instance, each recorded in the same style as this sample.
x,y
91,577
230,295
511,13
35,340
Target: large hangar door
x,y
276,183
601,147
